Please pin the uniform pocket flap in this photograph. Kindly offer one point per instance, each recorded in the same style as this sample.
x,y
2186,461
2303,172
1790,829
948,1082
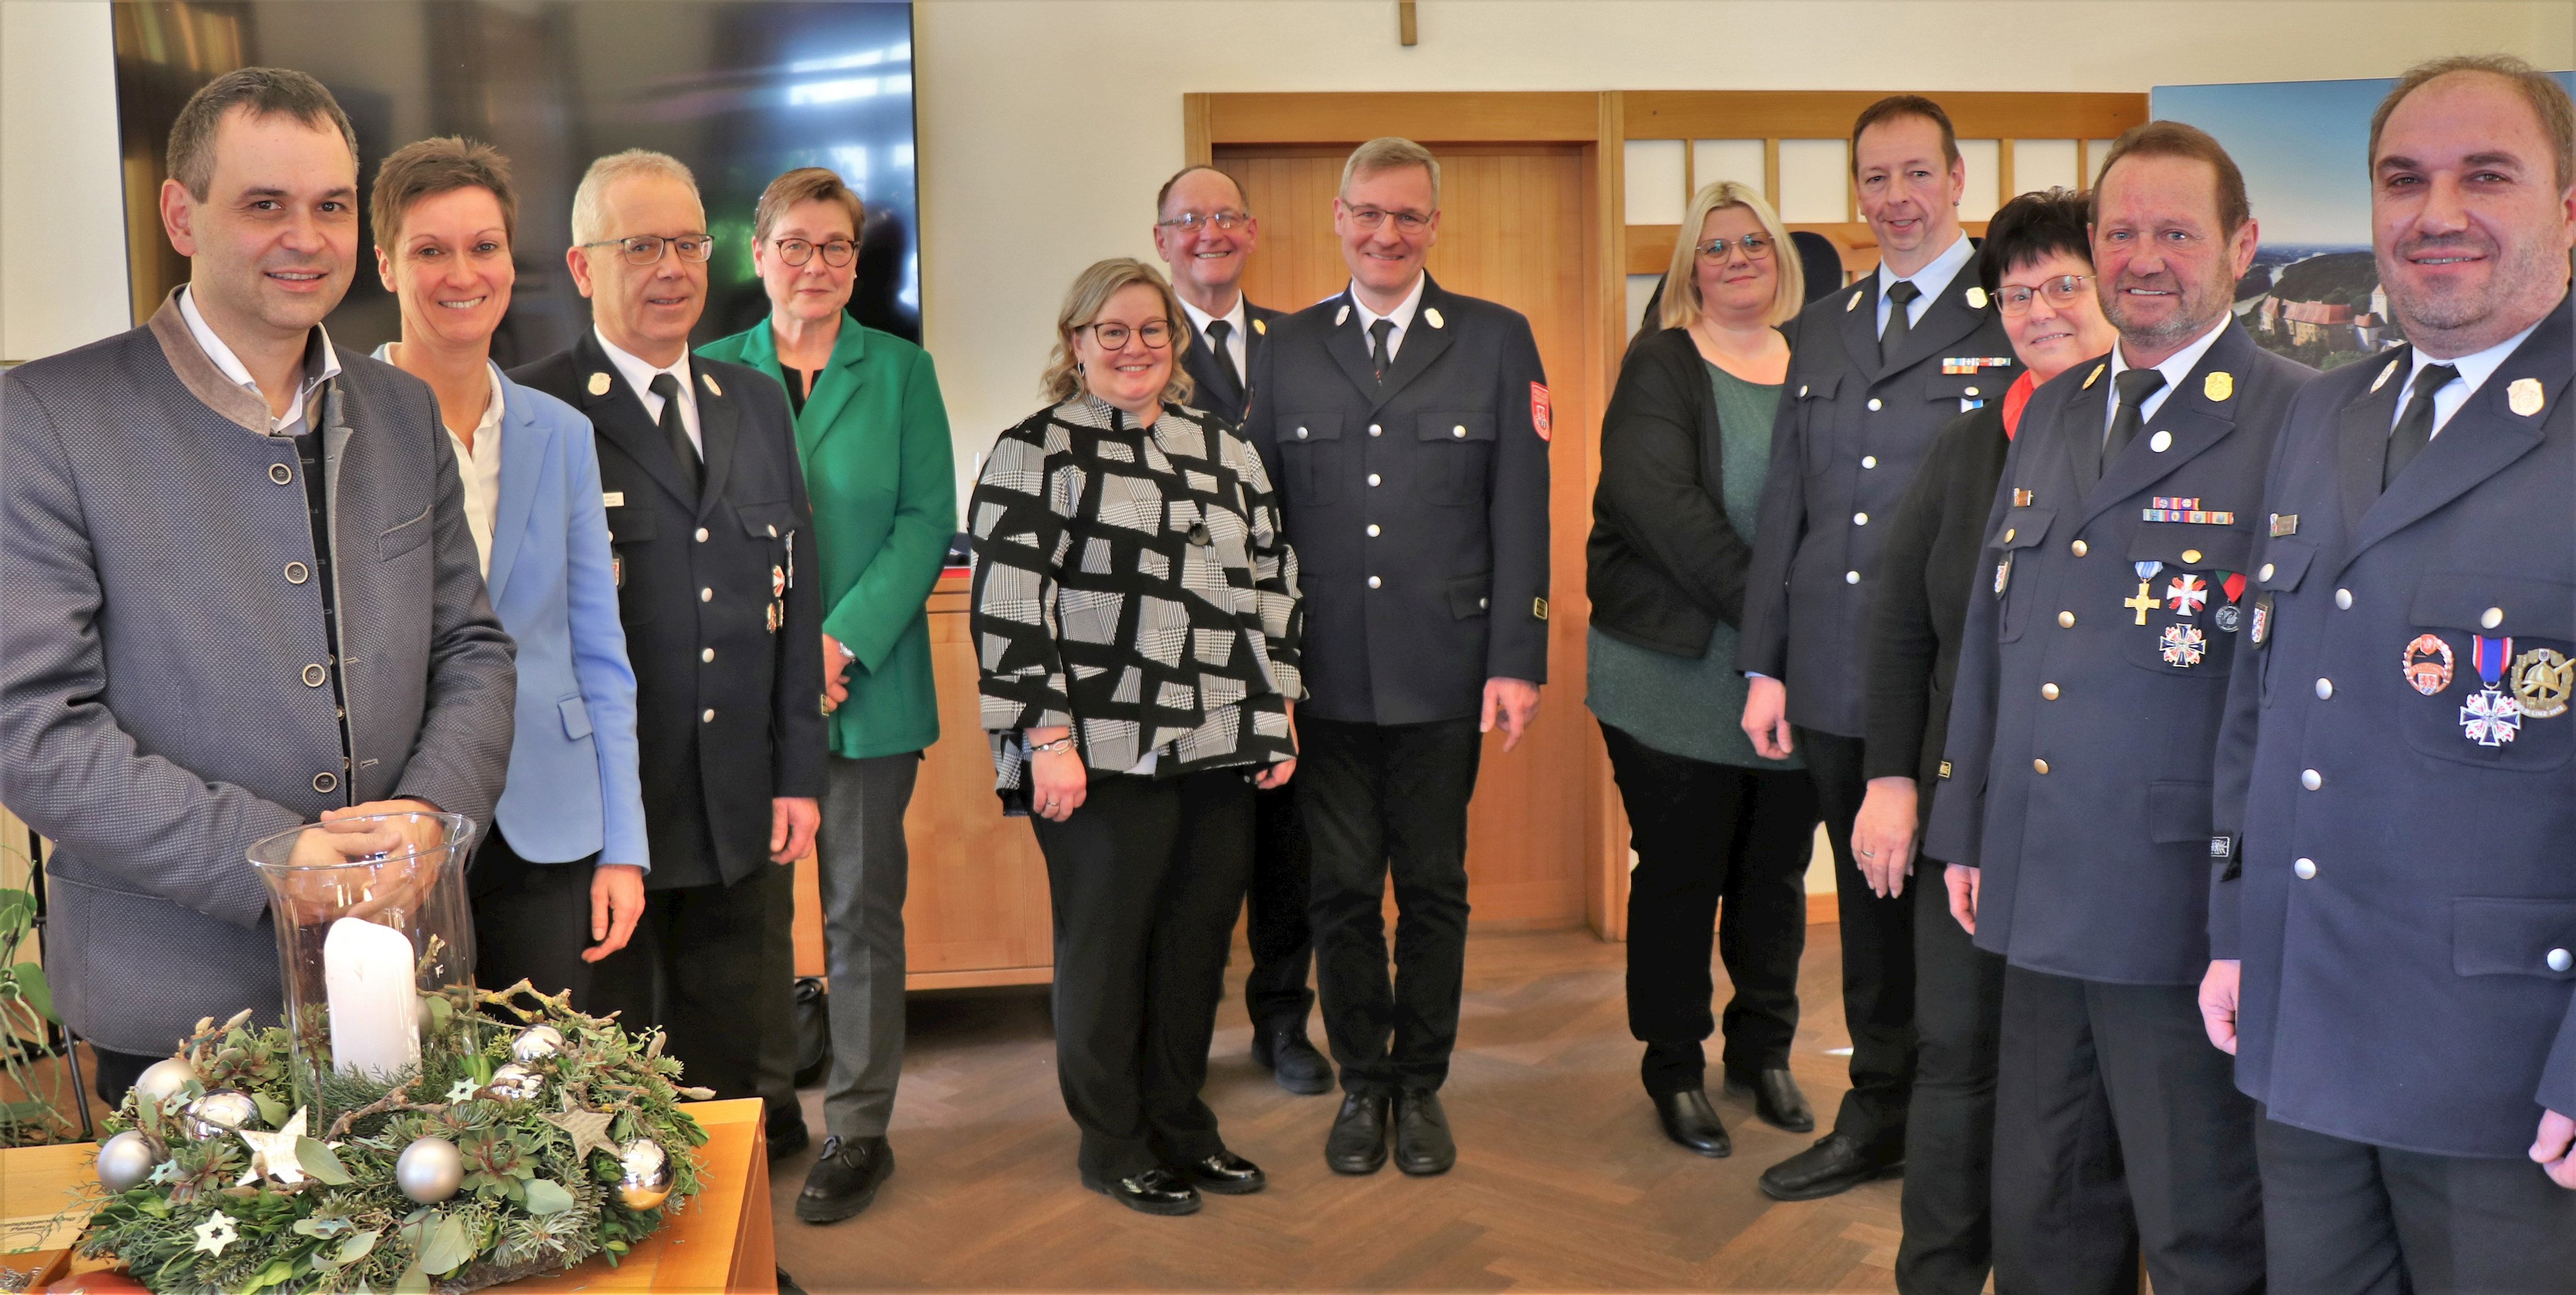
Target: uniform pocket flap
x,y
2023,527
1819,387
2178,812
2192,547
1326,426
632,523
1468,595
2284,562
767,521
405,537
2514,937
1987,384
1457,425
2496,604
576,717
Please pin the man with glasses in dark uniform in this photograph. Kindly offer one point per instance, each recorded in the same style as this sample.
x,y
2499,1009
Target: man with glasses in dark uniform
x,y
706,506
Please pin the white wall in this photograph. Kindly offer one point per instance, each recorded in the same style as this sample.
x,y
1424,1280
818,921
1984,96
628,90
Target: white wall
x,y
62,225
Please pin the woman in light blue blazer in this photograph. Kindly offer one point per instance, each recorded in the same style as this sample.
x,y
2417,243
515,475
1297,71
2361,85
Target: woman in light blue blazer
x,y
559,881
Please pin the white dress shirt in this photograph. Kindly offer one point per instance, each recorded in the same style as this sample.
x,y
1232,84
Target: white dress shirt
x,y
1240,317
1402,315
1932,280
478,467
639,372
2475,369
2176,367
291,423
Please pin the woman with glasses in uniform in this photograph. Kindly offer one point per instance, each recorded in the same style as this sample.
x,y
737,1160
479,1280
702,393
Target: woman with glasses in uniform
x,y
1136,615
2037,266
872,434
1722,835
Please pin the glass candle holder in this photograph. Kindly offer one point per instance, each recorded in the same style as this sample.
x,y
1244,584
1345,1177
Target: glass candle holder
x,y
375,943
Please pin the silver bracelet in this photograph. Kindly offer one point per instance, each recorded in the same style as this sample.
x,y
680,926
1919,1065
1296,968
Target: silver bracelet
x,y
1064,743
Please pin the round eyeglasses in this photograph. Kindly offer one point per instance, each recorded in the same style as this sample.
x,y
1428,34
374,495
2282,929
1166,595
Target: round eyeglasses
x,y
1756,248
2061,292
1154,333
646,249
836,253
1372,219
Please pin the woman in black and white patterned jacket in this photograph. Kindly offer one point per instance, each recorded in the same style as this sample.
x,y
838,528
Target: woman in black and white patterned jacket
x,y
1136,618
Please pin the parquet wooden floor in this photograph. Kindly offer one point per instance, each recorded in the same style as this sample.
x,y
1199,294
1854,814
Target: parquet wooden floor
x,y
1564,1182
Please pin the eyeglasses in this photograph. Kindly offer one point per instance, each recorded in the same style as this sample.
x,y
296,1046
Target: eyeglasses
x,y
796,251
1756,248
1155,333
646,249
2062,291
1372,219
1191,222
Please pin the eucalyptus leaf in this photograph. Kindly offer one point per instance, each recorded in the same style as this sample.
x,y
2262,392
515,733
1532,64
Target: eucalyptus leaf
x,y
320,1162
546,1196
323,1226
272,1112
451,1246
276,1273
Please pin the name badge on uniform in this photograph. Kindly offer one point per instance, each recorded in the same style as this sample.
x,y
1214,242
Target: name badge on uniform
x,y
612,499
2284,524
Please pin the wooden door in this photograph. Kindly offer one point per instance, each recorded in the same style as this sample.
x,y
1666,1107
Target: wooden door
x,y
1512,231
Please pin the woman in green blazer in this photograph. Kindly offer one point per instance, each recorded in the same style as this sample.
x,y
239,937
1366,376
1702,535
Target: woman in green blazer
x,y
873,437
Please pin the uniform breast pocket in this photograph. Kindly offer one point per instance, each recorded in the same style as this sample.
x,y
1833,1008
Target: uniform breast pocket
x,y
1815,397
2186,613
1950,393
1310,458
2281,565
2006,551
1458,445
631,530
403,537
2487,670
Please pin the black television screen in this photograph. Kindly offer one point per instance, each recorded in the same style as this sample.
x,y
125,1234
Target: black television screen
x,y
738,91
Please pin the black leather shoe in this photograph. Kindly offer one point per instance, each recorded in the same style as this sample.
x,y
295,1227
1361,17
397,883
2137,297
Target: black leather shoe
x,y
1776,1099
1836,1164
1357,1144
1422,1141
1688,1120
1155,1191
1226,1174
787,1137
1281,1046
844,1179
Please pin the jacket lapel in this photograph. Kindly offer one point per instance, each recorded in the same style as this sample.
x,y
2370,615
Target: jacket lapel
x,y
834,388
715,437
617,415
1860,325
525,443
2081,421
1424,342
1948,319
2193,420
1351,350
2361,438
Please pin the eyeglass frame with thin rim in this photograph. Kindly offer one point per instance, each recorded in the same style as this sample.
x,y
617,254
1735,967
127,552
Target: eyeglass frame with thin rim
x,y
1720,246
1372,219
849,251
1189,222
662,246
1170,331
2072,294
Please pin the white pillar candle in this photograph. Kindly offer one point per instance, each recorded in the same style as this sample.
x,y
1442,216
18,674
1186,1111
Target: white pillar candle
x,y
375,1024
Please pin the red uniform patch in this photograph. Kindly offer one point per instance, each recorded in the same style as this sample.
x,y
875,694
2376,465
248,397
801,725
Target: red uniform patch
x,y
1539,409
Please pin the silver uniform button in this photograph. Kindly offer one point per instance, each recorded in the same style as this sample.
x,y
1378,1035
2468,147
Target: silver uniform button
x,y
1375,430
702,535
2306,869
1860,519
2078,548
706,595
2066,620
1301,433
706,654
773,531
2494,617
1459,431
707,716
1967,391
297,573
2311,779
1869,460
1873,404
1372,530
2560,961
315,676
2343,600
2265,573
1851,577
2325,689
1480,604
1373,478
281,474
1373,582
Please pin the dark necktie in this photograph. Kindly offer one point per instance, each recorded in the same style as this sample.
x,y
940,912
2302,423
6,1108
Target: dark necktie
x,y
2134,386
2415,430
1378,333
1229,384
1900,294
684,454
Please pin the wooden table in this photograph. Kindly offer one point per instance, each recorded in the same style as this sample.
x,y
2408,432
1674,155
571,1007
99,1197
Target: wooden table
x,y
721,1242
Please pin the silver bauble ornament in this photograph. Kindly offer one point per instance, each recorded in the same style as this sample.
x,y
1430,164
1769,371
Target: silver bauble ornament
x,y
429,1170
537,1041
163,1080
125,1160
644,1177
225,1110
514,1083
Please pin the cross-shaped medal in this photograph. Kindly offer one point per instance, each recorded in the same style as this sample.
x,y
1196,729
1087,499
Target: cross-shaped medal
x,y
2142,604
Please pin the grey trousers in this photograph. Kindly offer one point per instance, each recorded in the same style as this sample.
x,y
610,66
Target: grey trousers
x,y
863,867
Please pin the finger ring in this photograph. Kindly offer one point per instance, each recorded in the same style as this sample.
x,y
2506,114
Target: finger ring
x,y
1869,854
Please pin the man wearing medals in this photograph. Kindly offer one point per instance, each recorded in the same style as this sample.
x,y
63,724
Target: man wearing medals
x,y
2092,678
2393,910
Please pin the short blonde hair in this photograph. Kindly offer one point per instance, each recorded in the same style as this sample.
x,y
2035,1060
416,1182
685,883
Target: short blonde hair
x,y
1389,153
1091,291
802,185
587,218
1681,282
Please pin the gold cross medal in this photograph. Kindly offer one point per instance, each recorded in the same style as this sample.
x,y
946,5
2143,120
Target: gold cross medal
x,y
2145,599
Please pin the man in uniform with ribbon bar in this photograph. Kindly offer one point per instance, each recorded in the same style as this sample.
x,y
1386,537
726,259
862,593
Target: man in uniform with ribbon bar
x,y
2086,716
2393,906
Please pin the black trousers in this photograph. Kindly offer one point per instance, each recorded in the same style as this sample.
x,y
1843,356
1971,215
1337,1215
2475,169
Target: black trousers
x,y
1878,957
1389,801
2116,1123
1948,1202
117,1071
1724,847
1143,881
2350,1218
1275,914
531,920
697,966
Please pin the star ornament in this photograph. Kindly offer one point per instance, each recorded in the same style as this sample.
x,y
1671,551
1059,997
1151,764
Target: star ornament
x,y
588,1129
462,1090
215,1233
273,1154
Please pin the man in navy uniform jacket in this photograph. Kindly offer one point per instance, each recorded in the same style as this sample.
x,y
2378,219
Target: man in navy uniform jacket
x,y
2101,634
1405,428
2394,920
